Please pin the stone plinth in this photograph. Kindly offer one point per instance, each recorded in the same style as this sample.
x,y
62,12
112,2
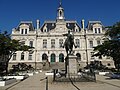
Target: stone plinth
x,y
72,65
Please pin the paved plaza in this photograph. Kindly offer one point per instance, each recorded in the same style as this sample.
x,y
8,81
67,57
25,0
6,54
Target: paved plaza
x,y
34,83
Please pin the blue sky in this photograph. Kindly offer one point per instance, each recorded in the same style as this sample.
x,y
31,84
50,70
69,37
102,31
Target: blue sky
x,y
14,11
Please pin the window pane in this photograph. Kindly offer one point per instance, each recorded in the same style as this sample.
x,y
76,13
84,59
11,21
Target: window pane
x,y
92,53
98,42
31,43
53,57
95,30
91,44
61,43
22,42
61,58
52,43
30,57
25,31
22,31
44,57
44,43
77,42
22,56
14,56
99,30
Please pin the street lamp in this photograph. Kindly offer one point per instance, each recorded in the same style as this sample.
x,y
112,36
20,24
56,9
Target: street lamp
x,y
46,78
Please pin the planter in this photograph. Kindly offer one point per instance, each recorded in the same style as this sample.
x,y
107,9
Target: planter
x,y
36,72
7,82
40,71
16,77
103,73
49,74
30,74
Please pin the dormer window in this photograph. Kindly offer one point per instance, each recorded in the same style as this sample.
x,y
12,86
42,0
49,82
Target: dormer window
x,y
99,30
22,31
95,30
25,31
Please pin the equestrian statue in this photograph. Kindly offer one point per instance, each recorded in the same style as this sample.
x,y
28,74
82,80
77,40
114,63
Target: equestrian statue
x,y
69,43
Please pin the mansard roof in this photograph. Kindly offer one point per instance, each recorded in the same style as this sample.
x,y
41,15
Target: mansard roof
x,y
29,23
49,24
71,24
91,23
52,24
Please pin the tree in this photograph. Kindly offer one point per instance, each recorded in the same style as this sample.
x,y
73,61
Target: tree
x,y
8,47
111,45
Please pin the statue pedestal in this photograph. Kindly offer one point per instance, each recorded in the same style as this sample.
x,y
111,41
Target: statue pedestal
x,y
72,65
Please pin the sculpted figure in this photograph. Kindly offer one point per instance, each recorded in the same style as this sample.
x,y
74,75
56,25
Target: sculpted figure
x,y
69,42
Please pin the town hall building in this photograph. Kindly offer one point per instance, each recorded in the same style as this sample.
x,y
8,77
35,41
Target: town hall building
x,y
48,41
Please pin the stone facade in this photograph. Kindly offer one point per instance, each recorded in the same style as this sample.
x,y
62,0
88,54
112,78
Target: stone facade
x,y
48,40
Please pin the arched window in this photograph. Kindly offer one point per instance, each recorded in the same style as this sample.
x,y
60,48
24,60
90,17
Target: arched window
x,y
78,56
22,56
61,57
44,57
60,13
53,57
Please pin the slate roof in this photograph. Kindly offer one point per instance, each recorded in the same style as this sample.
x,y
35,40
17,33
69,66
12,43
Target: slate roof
x,y
29,23
52,24
91,23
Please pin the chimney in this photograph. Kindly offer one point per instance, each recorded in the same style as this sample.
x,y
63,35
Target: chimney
x,y
83,24
38,24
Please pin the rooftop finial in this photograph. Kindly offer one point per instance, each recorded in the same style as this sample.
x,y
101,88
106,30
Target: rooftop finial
x,y
60,3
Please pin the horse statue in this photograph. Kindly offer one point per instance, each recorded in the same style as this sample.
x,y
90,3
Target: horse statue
x,y
69,43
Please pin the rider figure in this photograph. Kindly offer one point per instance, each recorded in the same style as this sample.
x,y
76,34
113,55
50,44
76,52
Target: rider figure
x,y
69,42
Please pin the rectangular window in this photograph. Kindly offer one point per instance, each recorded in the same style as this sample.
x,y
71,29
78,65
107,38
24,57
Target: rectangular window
x,y
92,53
44,43
22,42
14,56
61,43
25,31
91,44
98,42
22,31
84,56
99,30
95,30
22,56
30,57
77,41
31,44
53,43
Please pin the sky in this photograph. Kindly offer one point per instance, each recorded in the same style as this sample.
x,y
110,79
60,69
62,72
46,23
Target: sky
x,y
14,11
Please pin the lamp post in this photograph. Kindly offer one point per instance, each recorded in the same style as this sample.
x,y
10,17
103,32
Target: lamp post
x,y
46,83
46,78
